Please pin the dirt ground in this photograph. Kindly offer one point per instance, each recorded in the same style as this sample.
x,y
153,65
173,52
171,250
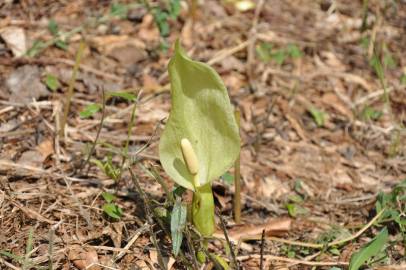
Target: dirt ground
x,y
321,87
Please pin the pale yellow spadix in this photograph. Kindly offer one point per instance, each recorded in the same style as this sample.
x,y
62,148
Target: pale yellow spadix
x,y
189,156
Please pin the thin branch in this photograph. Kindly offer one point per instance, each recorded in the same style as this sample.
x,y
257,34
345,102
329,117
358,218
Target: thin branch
x,y
331,244
289,260
149,215
223,227
261,260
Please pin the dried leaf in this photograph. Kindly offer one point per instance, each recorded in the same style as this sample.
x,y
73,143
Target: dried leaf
x,y
15,39
84,258
272,227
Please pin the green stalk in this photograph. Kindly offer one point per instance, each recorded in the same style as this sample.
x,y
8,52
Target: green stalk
x,y
203,210
237,180
71,87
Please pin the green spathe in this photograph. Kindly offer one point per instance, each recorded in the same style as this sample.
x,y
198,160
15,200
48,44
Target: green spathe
x,y
202,113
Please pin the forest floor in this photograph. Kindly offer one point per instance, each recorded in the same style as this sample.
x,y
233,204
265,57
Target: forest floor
x,y
321,87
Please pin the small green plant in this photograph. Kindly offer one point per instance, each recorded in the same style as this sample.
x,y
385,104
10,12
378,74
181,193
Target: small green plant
x,y
52,82
228,178
90,110
319,117
394,204
25,260
403,79
108,167
162,15
370,114
266,53
201,139
110,208
294,206
369,251
60,39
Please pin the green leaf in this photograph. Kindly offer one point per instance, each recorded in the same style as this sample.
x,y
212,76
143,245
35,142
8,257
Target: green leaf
x,y
403,79
369,250
369,113
334,251
228,178
52,82
174,8
264,51
90,110
12,256
222,262
294,51
294,210
178,191
53,27
376,64
61,44
99,164
364,42
125,95
108,197
36,48
178,222
388,60
291,207
161,20
113,210
279,57
318,116
291,254
118,10
295,198
202,113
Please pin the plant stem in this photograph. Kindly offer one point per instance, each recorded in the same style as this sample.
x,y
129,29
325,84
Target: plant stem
x,y
237,179
193,9
69,94
127,142
203,210
84,163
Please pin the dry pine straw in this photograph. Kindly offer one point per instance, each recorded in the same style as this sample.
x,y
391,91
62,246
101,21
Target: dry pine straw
x,y
342,165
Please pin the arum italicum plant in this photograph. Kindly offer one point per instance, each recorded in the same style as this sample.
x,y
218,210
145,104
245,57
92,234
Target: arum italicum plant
x,y
201,139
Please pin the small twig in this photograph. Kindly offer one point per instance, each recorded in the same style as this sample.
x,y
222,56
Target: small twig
x,y
53,174
289,260
333,243
51,248
191,248
71,86
223,227
373,95
9,264
123,251
261,260
155,175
